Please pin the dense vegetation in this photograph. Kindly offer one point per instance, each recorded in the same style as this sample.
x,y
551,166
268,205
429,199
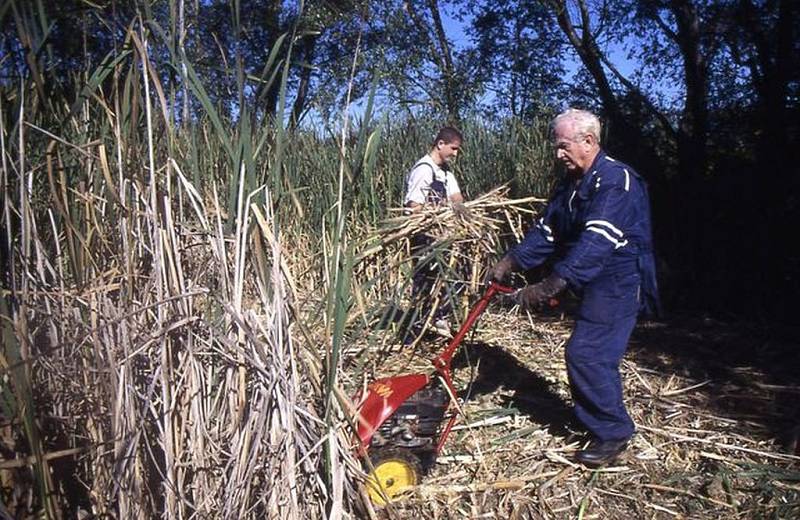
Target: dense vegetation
x,y
174,172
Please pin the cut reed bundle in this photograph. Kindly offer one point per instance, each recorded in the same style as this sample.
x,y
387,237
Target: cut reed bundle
x,y
493,221
459,249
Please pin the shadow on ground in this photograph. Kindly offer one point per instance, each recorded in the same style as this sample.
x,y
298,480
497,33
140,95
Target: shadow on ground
x,y
750,375
751,372
531,393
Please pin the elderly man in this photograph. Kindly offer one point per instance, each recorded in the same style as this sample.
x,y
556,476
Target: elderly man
x,y
596,225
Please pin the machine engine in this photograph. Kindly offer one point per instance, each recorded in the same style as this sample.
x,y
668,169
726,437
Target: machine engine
x,y
415,424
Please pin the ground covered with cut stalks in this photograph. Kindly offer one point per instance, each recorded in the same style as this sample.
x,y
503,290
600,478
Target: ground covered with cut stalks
x,y
713,402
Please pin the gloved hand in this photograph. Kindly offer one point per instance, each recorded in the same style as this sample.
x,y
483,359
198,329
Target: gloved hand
x,y
533,296
461,211
500,271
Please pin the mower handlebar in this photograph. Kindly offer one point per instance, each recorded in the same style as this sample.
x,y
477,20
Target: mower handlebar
x,y
495,286
442,362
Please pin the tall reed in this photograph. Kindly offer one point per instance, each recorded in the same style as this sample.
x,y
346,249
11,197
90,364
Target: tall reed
x,y
179,293
152,315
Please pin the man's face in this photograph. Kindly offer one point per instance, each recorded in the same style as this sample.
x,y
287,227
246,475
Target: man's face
x,y
573,150
448,150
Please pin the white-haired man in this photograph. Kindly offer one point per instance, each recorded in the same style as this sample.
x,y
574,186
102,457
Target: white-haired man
x,y
596,225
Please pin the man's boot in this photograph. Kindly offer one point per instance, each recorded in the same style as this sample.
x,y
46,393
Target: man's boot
x,y
599,453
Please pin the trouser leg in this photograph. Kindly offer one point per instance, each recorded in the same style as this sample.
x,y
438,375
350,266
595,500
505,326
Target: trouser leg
x,y
593,356
424,281
423,277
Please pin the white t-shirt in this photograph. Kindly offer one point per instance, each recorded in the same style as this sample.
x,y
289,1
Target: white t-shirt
x,y
419,179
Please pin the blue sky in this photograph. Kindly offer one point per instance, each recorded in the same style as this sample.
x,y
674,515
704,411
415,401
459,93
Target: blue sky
x,y
617,55
457,35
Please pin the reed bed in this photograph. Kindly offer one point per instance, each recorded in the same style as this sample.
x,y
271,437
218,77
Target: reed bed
x,y
709,442
164,380
177,298
174,321
151,361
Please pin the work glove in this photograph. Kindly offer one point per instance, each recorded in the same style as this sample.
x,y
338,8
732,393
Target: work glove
x,y
533,296
501,270
461,211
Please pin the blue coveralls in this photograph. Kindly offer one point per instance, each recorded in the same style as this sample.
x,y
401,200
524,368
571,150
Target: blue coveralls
x,y
599,229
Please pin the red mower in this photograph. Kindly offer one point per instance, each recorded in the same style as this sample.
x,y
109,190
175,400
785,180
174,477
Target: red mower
x,y
400,418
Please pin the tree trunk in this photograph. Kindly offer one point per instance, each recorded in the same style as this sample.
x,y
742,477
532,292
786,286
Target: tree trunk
x,y
590,56
692,235
440,55
693,127
299,106
451,95
777,155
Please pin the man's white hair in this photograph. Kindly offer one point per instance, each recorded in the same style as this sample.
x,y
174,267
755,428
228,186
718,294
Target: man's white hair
x,y
582,122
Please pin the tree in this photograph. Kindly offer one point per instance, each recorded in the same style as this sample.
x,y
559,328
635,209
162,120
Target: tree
x,y
763,39
519,56
408,45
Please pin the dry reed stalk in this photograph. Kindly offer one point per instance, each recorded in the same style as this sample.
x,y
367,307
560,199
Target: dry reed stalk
x,y
172,372
462,248
199,416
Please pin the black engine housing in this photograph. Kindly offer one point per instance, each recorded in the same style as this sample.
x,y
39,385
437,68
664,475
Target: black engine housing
x,y
415,425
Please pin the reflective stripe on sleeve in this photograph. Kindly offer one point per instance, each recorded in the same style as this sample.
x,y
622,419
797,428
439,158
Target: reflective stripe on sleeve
x,y
605,225
617,243
548,233
609,231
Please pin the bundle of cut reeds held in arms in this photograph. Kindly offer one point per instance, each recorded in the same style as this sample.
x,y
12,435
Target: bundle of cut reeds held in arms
x,y
460,248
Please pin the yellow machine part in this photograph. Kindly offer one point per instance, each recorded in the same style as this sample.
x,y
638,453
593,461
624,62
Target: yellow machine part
x,y
394,472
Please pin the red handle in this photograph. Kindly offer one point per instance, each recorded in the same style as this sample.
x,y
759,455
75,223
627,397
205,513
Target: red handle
x,y
442,362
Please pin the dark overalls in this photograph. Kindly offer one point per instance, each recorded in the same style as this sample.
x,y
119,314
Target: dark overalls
x,y
425,272
599,229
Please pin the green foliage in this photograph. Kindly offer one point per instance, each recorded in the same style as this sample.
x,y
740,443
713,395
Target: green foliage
x,y
511,152
518,55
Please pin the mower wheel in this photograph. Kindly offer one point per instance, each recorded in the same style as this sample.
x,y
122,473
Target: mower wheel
x,y
394,471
